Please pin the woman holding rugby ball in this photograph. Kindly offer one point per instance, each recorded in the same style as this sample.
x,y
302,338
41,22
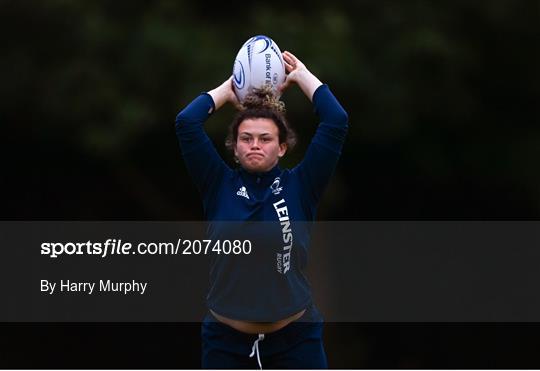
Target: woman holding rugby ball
x,y
260,306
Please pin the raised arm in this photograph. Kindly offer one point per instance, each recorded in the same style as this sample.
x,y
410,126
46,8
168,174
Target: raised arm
x,y
203,162
324,151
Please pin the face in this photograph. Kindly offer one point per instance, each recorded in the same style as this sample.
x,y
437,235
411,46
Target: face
x,y
257,145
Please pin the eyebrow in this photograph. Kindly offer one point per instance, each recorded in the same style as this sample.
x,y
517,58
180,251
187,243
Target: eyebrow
x,y
250,134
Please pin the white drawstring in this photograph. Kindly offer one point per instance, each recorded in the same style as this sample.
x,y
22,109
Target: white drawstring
x,y
255,349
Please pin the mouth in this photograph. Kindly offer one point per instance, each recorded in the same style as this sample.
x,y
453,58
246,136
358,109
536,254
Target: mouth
x,y
256,155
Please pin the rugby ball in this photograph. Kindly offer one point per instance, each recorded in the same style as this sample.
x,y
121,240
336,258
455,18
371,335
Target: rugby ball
x,y
259,62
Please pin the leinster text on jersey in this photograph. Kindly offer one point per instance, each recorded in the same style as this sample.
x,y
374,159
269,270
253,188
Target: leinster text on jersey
x,y
284,258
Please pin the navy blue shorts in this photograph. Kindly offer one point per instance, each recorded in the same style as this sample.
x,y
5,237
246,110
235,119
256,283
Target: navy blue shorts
x,y
296,346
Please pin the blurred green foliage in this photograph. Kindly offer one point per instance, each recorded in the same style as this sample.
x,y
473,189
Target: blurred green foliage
x,y
443,100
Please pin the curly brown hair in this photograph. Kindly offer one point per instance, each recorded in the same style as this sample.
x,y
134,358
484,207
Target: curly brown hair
x,y
262,103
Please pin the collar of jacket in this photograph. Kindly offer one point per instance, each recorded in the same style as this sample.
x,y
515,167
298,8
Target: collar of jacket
x,y
264,179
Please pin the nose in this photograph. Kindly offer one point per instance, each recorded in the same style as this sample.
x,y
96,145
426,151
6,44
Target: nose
x,y
255,143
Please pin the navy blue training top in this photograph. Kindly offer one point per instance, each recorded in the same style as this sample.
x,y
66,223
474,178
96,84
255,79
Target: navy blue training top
x,y
268,284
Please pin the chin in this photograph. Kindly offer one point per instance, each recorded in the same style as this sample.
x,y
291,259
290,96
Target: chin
x,y
257,167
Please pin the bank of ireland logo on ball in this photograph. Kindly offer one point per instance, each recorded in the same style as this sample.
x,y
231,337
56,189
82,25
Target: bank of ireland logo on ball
x,y
258,63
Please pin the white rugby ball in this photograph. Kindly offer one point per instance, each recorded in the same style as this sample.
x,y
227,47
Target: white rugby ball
x,y
259,62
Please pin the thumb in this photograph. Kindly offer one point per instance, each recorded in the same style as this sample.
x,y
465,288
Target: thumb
x,y
285,85
233,99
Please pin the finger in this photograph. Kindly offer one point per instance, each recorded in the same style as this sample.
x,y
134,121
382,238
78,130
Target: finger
x,y
291,56
292,60
286,56
288,67
289,60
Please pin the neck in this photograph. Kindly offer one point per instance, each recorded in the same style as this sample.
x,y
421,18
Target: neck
x,y
260,172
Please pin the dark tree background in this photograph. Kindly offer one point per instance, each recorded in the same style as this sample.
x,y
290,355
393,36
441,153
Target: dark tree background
x,y
443,98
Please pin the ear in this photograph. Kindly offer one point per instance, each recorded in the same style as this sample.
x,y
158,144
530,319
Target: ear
x,y
282,149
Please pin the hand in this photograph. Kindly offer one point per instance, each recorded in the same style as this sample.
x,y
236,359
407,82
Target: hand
x,y
294,68
224,93
299,74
